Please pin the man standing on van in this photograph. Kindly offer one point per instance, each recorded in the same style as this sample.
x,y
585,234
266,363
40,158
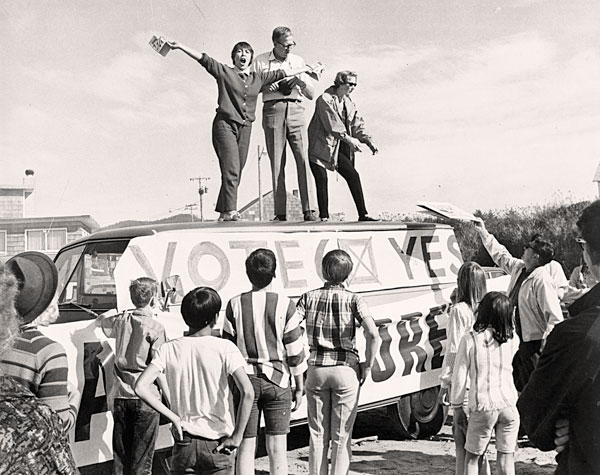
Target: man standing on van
x,y
283,120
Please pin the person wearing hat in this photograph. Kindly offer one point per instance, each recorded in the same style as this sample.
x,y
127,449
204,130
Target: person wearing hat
x,y
32,436
533,294
36,361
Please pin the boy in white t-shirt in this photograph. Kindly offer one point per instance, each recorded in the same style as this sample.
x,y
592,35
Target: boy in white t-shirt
x,y
197,367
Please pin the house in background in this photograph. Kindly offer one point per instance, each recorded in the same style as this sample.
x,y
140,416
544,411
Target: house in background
x,y
46,234
251,211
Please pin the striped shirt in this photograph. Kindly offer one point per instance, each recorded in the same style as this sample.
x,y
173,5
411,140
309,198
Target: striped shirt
x,y
331,314
138,335
266,328
40,364
485,367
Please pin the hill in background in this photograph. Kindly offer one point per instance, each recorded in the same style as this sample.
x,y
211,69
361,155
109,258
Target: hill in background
x,y
178,218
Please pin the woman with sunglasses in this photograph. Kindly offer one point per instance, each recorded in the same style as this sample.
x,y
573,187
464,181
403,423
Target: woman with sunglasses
x,y
335,134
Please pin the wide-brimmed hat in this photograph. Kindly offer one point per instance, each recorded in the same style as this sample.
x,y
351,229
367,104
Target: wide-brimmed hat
x,y
38,280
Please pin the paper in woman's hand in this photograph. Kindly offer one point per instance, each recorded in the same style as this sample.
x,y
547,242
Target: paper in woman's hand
x,y
160,45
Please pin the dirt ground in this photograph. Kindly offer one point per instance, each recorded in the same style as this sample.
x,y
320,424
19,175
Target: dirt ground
x,y
376,449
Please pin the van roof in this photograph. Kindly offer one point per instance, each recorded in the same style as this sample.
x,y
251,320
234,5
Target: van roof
x,y
250,226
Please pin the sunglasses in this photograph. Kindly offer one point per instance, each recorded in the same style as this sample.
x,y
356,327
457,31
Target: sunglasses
x,y
529,246
353,84
581,243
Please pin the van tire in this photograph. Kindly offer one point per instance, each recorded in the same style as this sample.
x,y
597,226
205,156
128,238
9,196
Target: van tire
x,y
418,415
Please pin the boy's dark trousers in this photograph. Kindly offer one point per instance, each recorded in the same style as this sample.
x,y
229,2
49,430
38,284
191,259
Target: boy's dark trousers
x,y
195,454
134,435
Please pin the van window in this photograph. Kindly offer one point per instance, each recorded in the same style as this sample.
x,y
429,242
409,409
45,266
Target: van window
x,y
86,274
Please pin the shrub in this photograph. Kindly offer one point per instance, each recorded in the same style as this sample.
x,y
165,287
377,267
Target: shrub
x,y
513,227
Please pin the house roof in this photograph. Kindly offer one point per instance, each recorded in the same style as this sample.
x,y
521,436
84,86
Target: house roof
x,y
51,222
17,189
255,200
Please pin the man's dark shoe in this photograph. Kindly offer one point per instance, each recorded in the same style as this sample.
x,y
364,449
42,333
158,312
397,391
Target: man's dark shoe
x,y
367,218
280,217
310,216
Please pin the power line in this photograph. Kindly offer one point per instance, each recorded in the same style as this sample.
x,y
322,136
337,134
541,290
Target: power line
x,y
191,207
198,8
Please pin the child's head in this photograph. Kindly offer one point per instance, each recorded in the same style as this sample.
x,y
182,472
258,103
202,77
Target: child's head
x,y
496,311
142,291
471,285
336,266
260,267
200,307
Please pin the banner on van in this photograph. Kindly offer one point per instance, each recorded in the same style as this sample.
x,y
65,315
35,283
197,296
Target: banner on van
x,y
382,260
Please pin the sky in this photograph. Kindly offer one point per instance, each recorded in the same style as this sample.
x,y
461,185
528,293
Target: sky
x,y
486,104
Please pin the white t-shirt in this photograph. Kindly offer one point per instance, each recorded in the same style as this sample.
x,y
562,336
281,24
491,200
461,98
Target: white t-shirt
x,y
197,369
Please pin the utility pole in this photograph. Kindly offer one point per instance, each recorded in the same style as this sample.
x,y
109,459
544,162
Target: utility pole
x,y
202,190
260,195
191,207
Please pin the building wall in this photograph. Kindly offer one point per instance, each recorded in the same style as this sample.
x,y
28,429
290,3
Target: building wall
x,y
11,203
294,208
16,243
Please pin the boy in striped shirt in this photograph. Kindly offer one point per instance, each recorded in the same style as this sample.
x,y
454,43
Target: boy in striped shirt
x,y
266,328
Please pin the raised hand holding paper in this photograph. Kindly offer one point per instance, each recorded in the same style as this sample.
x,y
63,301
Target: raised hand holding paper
x,y
448,210
160,45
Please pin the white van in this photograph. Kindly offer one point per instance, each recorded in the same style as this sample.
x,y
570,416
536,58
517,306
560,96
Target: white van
x,y
405,271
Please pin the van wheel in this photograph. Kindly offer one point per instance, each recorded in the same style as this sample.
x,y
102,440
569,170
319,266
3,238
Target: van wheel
x,y
418,415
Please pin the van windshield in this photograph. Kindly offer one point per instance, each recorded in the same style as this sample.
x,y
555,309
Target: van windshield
x,y
86,274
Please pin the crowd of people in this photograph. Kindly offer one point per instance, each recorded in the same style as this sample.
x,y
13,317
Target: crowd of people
x,y
330,142
187,380
512,363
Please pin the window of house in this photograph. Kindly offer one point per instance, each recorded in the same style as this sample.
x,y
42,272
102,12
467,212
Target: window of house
x,y
45,239
2,242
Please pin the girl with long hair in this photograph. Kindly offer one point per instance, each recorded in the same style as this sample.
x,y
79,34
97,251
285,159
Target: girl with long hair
x,y
484,364
471,287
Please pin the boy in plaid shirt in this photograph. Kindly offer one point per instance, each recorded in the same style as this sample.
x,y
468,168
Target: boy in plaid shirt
x,y
334,372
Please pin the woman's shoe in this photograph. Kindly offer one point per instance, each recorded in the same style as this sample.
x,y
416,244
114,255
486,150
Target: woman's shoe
x,y
367,218
324,220
230,216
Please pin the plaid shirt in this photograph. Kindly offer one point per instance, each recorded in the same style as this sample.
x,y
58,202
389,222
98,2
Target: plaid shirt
x,y
330,314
